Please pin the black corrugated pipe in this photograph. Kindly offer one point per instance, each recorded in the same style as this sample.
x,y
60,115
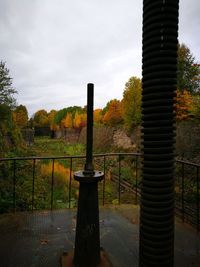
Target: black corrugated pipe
x,y
160,30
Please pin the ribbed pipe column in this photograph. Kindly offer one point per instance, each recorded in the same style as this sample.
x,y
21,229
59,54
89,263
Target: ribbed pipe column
x,y
160,29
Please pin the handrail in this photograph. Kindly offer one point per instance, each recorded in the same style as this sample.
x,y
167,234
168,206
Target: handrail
x,y
94,155
187,181
69,156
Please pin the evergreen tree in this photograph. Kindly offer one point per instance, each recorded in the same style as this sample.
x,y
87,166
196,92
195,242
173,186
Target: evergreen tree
x,y
6,89
188,75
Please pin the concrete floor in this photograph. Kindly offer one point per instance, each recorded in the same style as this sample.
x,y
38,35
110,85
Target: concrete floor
x,y
39,238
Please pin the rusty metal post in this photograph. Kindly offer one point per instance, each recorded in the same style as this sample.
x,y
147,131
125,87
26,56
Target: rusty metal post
x,y
87,240
160,30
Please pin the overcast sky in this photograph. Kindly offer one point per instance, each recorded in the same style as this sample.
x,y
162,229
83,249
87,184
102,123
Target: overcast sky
x,y
53,48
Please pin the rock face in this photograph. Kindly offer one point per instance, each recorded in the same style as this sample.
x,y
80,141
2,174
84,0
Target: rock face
x,y
102,138
121,140
106,138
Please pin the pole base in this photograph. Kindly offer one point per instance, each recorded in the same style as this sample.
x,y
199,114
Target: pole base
x,y
67,259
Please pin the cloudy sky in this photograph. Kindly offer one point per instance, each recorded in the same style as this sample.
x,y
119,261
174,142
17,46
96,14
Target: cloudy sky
x,y
53,48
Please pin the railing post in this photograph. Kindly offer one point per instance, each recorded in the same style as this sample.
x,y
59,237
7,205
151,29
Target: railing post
x,y
183,191
119,179
52,183
198,201
70,182
33,184
14,185
136,177
104,178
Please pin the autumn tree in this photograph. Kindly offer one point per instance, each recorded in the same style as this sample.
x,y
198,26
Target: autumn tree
x,y
40,118
61,114
97,116
131,103
80,120
51,118
183,106
113,115
188,74
67,122
20,116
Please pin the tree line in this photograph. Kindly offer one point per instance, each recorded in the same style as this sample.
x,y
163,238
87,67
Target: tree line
x,y
125,112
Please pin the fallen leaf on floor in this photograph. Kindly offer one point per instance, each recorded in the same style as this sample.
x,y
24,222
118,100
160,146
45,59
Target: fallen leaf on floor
x,y
43,241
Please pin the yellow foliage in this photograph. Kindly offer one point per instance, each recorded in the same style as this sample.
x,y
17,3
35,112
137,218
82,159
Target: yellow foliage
x,y
61,174
20,118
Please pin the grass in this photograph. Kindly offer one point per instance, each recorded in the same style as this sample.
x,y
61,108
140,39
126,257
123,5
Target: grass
x,y
44,146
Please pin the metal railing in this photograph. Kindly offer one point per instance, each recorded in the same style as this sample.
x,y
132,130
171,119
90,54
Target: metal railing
x,y
33,183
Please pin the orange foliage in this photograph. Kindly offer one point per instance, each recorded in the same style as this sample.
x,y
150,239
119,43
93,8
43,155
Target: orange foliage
x,y
67,122
80,120
54,127
114,114
183,105
98,115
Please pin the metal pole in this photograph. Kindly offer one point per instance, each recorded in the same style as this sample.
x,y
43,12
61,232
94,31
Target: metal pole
x,y
87,240
89,142
160,30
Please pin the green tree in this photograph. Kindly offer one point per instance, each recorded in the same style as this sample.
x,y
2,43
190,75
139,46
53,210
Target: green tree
x,y
7,100
6,90
10,136
188,74
131,103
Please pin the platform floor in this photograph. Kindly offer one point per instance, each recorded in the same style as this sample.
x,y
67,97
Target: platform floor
x,y
38,239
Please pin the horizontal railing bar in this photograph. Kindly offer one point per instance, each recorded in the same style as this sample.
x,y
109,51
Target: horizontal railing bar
x,y
187,163
95,155
68,157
